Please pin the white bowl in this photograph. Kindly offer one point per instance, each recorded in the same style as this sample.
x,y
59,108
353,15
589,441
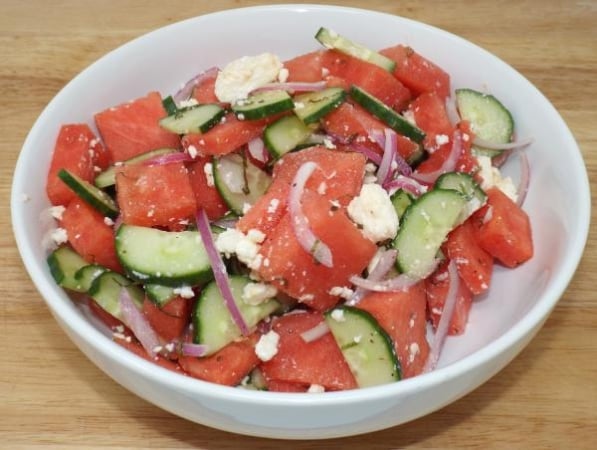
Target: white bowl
x,y
501,324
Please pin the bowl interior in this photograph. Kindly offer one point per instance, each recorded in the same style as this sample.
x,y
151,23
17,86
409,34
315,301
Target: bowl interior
x,y
557,202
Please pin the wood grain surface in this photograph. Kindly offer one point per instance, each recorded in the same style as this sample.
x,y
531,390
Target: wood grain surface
x,y
53,397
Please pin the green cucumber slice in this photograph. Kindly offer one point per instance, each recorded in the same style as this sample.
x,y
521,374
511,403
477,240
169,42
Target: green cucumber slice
x,y
467,186
489,118
159,294
64,263
212,323
105,290
285,134
367,348
386,114
263,104
92,195
86,275
425,224
332,40
312,106
162,257
239,181
193,119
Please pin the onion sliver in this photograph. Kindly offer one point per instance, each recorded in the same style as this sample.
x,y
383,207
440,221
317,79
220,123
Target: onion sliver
x,y
219,270
444,322
195,350
452,111
408,184
384,264
187,90
385,171
370,154
449,163
525,178
300,225
505,146
170,158
312,334
138,323
257,150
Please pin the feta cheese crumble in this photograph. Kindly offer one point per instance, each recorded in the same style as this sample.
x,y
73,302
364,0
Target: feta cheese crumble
x,y
184,291
246,247
208,169
59,236
372,209
341,291
246,74
492,177
338,315
267,346
257,293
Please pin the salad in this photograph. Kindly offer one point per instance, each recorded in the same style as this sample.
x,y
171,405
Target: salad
x,y
309,225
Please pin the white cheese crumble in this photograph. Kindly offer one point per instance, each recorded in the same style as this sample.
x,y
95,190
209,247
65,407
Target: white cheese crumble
x,y
492,176
327,142
257,293
410,117
338,315
341,291
246,74
57,211
413,351
273,205
192,151
267,346
283,75
315,389
208,169
184,291
109,222
372,209
59,236
441,139
246,247
187,103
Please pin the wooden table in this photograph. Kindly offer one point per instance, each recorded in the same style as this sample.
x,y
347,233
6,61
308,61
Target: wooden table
x,y
51,396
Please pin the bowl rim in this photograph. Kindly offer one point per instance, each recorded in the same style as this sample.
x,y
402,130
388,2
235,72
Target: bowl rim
x,y
101,343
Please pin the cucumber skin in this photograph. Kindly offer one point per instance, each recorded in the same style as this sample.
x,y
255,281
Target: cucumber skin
x,y
105,204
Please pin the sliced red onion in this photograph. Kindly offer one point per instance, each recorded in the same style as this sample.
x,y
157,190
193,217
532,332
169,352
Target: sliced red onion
x,y
445,319
525,178
195,350
170,158
377,136
449,164
452,111
408,184
187,90
402,166
257,150
385,171
300,224
137,322
384,264
219,270
293,86
479,142
370,154
312,334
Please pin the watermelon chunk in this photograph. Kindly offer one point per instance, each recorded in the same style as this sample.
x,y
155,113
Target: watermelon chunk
x,y
402,315
171,321
317,362
76,150
90,235
206,194
133,128
158,195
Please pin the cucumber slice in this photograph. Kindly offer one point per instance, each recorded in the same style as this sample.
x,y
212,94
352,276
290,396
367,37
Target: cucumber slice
x,y
108,177
239,181
367,348
425,225
212,323
263,104
386,114
163,257
401,200
489,118
85,275
64,263
330,39
105,290
170,105
92,195
312,106
193,119
285,134
467,186
159,294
